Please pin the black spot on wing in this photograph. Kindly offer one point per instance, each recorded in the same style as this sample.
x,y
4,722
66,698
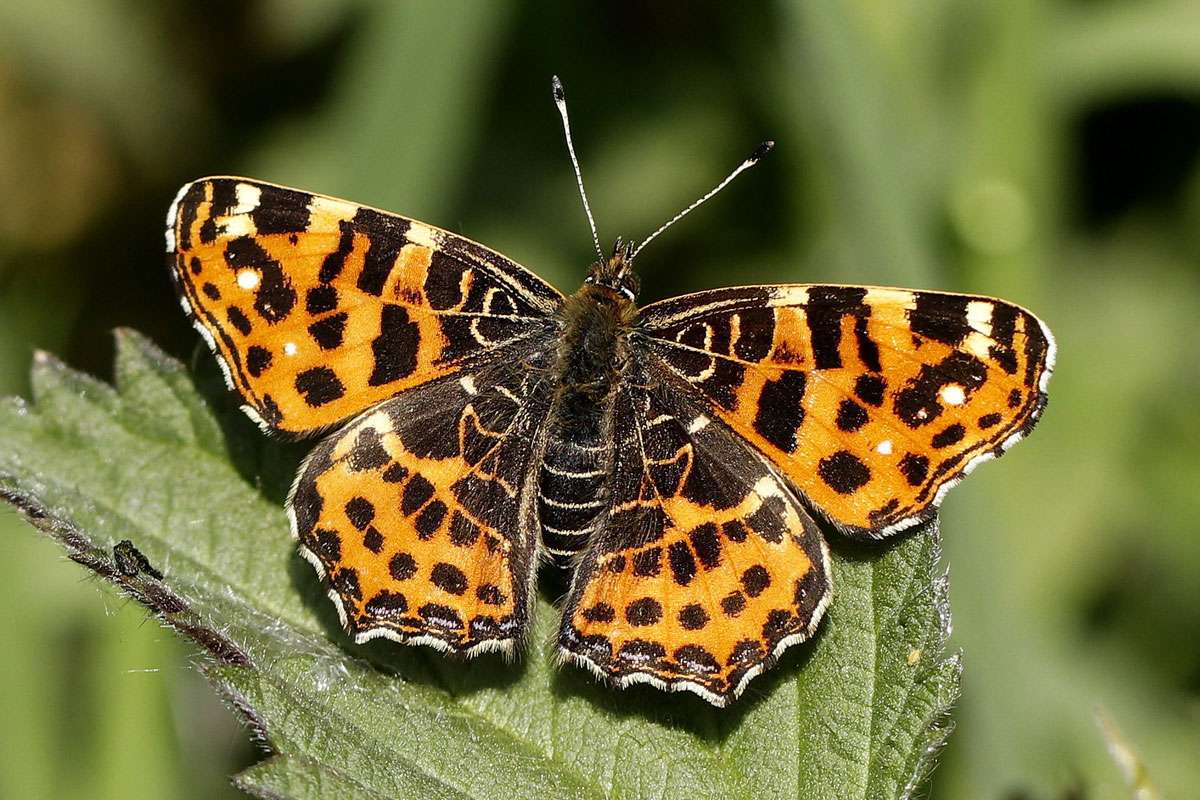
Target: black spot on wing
x,y
851,416
387,605
448,578
328,332
990,420
386,235
239,320
844,472
416,492
756,332
280,211
942,317
443,282
949,435
643,611
756,580
367,452
360,512
430,519
824,311
335,262
914,468
258,360
868,350
869,389
320,299
780,410
319,385
402,566
274,298
917,404
707,544
683,564
395,349
693,617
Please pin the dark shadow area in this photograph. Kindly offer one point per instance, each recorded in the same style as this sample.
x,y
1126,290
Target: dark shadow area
x,y
1134,153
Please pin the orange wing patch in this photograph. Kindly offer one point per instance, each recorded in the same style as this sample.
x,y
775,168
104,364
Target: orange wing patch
x,y
318,308
416,514
872,402
706,567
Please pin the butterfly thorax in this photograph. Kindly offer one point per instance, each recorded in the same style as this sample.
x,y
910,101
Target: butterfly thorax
x,y
593,350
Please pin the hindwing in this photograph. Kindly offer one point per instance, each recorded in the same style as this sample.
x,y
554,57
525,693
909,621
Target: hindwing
x,y
420,513
872,402
318,308
705,566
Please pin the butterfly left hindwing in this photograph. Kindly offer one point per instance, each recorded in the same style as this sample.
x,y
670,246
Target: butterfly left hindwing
x,y
419,514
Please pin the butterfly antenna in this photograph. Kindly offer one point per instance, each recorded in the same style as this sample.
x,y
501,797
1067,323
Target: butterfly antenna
x,y
754,158
560,100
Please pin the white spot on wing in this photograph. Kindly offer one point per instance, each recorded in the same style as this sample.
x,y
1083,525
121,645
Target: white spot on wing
x,y
884,448
424,235
979,316
468,384
766,487
789,296
235,227
978,344
890,297
290,349
952,394
248,198
338,209
698,424
247,279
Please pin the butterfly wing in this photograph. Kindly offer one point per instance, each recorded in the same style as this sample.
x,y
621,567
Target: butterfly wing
x,y
872,402
419,513
318,308
706,566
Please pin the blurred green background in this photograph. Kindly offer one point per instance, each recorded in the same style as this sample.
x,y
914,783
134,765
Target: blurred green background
x,y
1043,151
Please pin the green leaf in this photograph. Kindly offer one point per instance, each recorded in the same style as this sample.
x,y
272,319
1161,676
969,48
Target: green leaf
x,y
858,713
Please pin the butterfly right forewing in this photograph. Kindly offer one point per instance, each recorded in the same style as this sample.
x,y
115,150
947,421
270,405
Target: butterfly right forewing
x,y
872,402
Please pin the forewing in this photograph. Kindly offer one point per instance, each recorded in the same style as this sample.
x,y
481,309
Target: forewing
x,y
318,308
419,513
706,567
872,402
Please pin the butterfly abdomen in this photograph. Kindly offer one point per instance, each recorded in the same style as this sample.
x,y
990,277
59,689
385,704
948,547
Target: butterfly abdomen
x,y
571,492
591,358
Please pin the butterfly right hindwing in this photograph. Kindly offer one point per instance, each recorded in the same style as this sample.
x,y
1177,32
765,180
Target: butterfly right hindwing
x,y
705,567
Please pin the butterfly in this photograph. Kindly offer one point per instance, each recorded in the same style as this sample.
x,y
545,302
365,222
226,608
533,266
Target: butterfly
x,y
679,460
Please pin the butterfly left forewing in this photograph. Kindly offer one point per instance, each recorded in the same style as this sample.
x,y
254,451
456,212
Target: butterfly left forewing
x,y
419,513
705,566
317,308
872,402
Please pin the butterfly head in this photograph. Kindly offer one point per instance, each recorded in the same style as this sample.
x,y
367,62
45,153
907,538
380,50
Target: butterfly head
x,y
615,273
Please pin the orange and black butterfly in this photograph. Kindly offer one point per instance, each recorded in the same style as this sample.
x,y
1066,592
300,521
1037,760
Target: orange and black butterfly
x,y
675,457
